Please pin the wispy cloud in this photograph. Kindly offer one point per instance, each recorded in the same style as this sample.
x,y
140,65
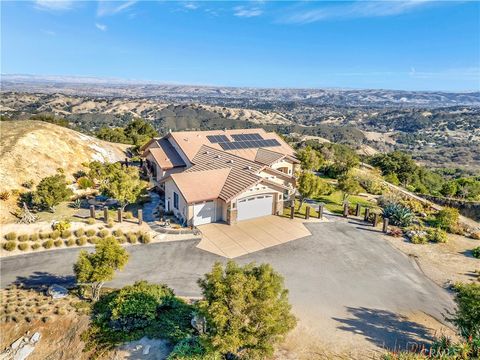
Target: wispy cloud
x,y
106,8
190,6
358,9
101,27
243,11
447,74
54,5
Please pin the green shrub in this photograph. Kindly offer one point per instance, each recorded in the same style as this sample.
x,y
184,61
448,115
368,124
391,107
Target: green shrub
x,y
93,239
81,241
61,225
23,246
11,236
103,233
447,218
10,245
122,239
90,232
127,215
110,224
48,244
23,238
34,237
54,234
145,238
66,234
117,232
58,243
28,184
476,252
91,221
35,246
84,183
398,215
467,315
132,238
437,235
70,242
419,239
79,232
191,348
43,235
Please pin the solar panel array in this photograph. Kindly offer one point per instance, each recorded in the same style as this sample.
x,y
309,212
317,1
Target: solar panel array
x,y
236,145
214,139
247,137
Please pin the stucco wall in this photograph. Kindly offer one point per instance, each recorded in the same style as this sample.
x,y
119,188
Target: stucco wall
x,y
284,163
182,210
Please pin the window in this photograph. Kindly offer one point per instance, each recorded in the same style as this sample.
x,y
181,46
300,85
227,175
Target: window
x,y
175,200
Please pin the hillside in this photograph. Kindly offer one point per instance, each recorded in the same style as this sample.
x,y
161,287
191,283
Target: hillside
x,y
31,150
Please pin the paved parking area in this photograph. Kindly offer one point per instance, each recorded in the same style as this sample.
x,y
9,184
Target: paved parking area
x,y
250,236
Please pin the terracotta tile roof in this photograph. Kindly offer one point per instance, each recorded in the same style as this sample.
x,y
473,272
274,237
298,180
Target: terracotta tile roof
x,y
242,174
191,141
201,185
165,154
267,157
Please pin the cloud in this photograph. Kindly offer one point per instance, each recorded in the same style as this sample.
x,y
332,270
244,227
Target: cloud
x,y
101,27
106,8
54,5
190,6
358,9
242,11
447,74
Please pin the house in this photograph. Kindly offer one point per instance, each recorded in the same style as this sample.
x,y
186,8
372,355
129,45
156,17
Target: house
x,y
221,175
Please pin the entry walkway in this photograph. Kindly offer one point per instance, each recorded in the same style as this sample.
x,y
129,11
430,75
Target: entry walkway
x,y
250,236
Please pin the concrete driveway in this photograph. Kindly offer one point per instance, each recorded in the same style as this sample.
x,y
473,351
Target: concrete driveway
x,y
249,236
347,285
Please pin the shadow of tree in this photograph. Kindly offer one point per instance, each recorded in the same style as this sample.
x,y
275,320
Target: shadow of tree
x,y
42,279
386,329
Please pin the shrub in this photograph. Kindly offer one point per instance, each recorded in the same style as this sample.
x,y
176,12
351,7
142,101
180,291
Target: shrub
x,y
61,225
10,245
66,234
23,238
103,233
191,348
476,252
110,224
70,242
395,231
84,183
48,244
437,235
58,243
79,232
34,237
81,241
132,238
23,246
28,184
91,221
467,316
127,215
90,232
447,218
117,232
398,215
122,239
4,195
35,246
55,234
93,239
145,238
51,191
371,184
43,235
419,239
11,236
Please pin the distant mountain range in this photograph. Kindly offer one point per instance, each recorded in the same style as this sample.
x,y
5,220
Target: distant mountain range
x,y
93,86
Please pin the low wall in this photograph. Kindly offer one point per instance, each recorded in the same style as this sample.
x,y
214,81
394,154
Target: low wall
x,y
470,209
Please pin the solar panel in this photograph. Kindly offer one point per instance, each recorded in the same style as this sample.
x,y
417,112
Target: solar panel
x,y
215,139
225,144
247,137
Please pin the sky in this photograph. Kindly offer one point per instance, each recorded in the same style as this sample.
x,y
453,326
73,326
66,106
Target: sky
x,y
405,45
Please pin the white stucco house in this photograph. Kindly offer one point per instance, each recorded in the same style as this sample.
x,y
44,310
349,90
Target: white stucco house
x,y
222,175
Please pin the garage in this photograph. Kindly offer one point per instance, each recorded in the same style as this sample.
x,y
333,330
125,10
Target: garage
x,y
254,206
203,213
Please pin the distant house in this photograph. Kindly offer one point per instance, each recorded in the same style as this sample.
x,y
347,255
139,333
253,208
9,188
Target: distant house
x,y
222,175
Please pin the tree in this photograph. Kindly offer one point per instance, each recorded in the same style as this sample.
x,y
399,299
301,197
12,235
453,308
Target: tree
x,y
99,267
344,159
246,309
139,132
51,191
113,135
449,189
123,184
397,163
309,158
310,185
349,185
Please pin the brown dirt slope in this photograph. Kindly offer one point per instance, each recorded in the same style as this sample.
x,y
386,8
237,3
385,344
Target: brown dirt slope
x,y
31,150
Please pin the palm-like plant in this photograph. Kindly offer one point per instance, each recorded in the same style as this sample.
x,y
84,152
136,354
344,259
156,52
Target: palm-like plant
x,y
398,215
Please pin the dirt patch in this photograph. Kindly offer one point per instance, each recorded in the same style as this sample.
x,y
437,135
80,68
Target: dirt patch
x,y
445,264
143,349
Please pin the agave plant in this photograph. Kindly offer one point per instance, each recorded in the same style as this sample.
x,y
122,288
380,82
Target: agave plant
x,y
398,215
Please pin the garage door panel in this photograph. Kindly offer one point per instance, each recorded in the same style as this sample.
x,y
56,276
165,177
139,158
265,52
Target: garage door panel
x,y
204,213
254,206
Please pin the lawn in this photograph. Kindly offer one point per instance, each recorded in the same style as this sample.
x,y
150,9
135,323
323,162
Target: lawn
x,y
334,202
63,211
300,213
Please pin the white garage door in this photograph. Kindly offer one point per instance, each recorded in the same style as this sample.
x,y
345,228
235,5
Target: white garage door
x,y
254,206
203,213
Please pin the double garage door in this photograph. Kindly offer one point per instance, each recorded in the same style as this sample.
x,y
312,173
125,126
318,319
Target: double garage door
x,y
254,206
